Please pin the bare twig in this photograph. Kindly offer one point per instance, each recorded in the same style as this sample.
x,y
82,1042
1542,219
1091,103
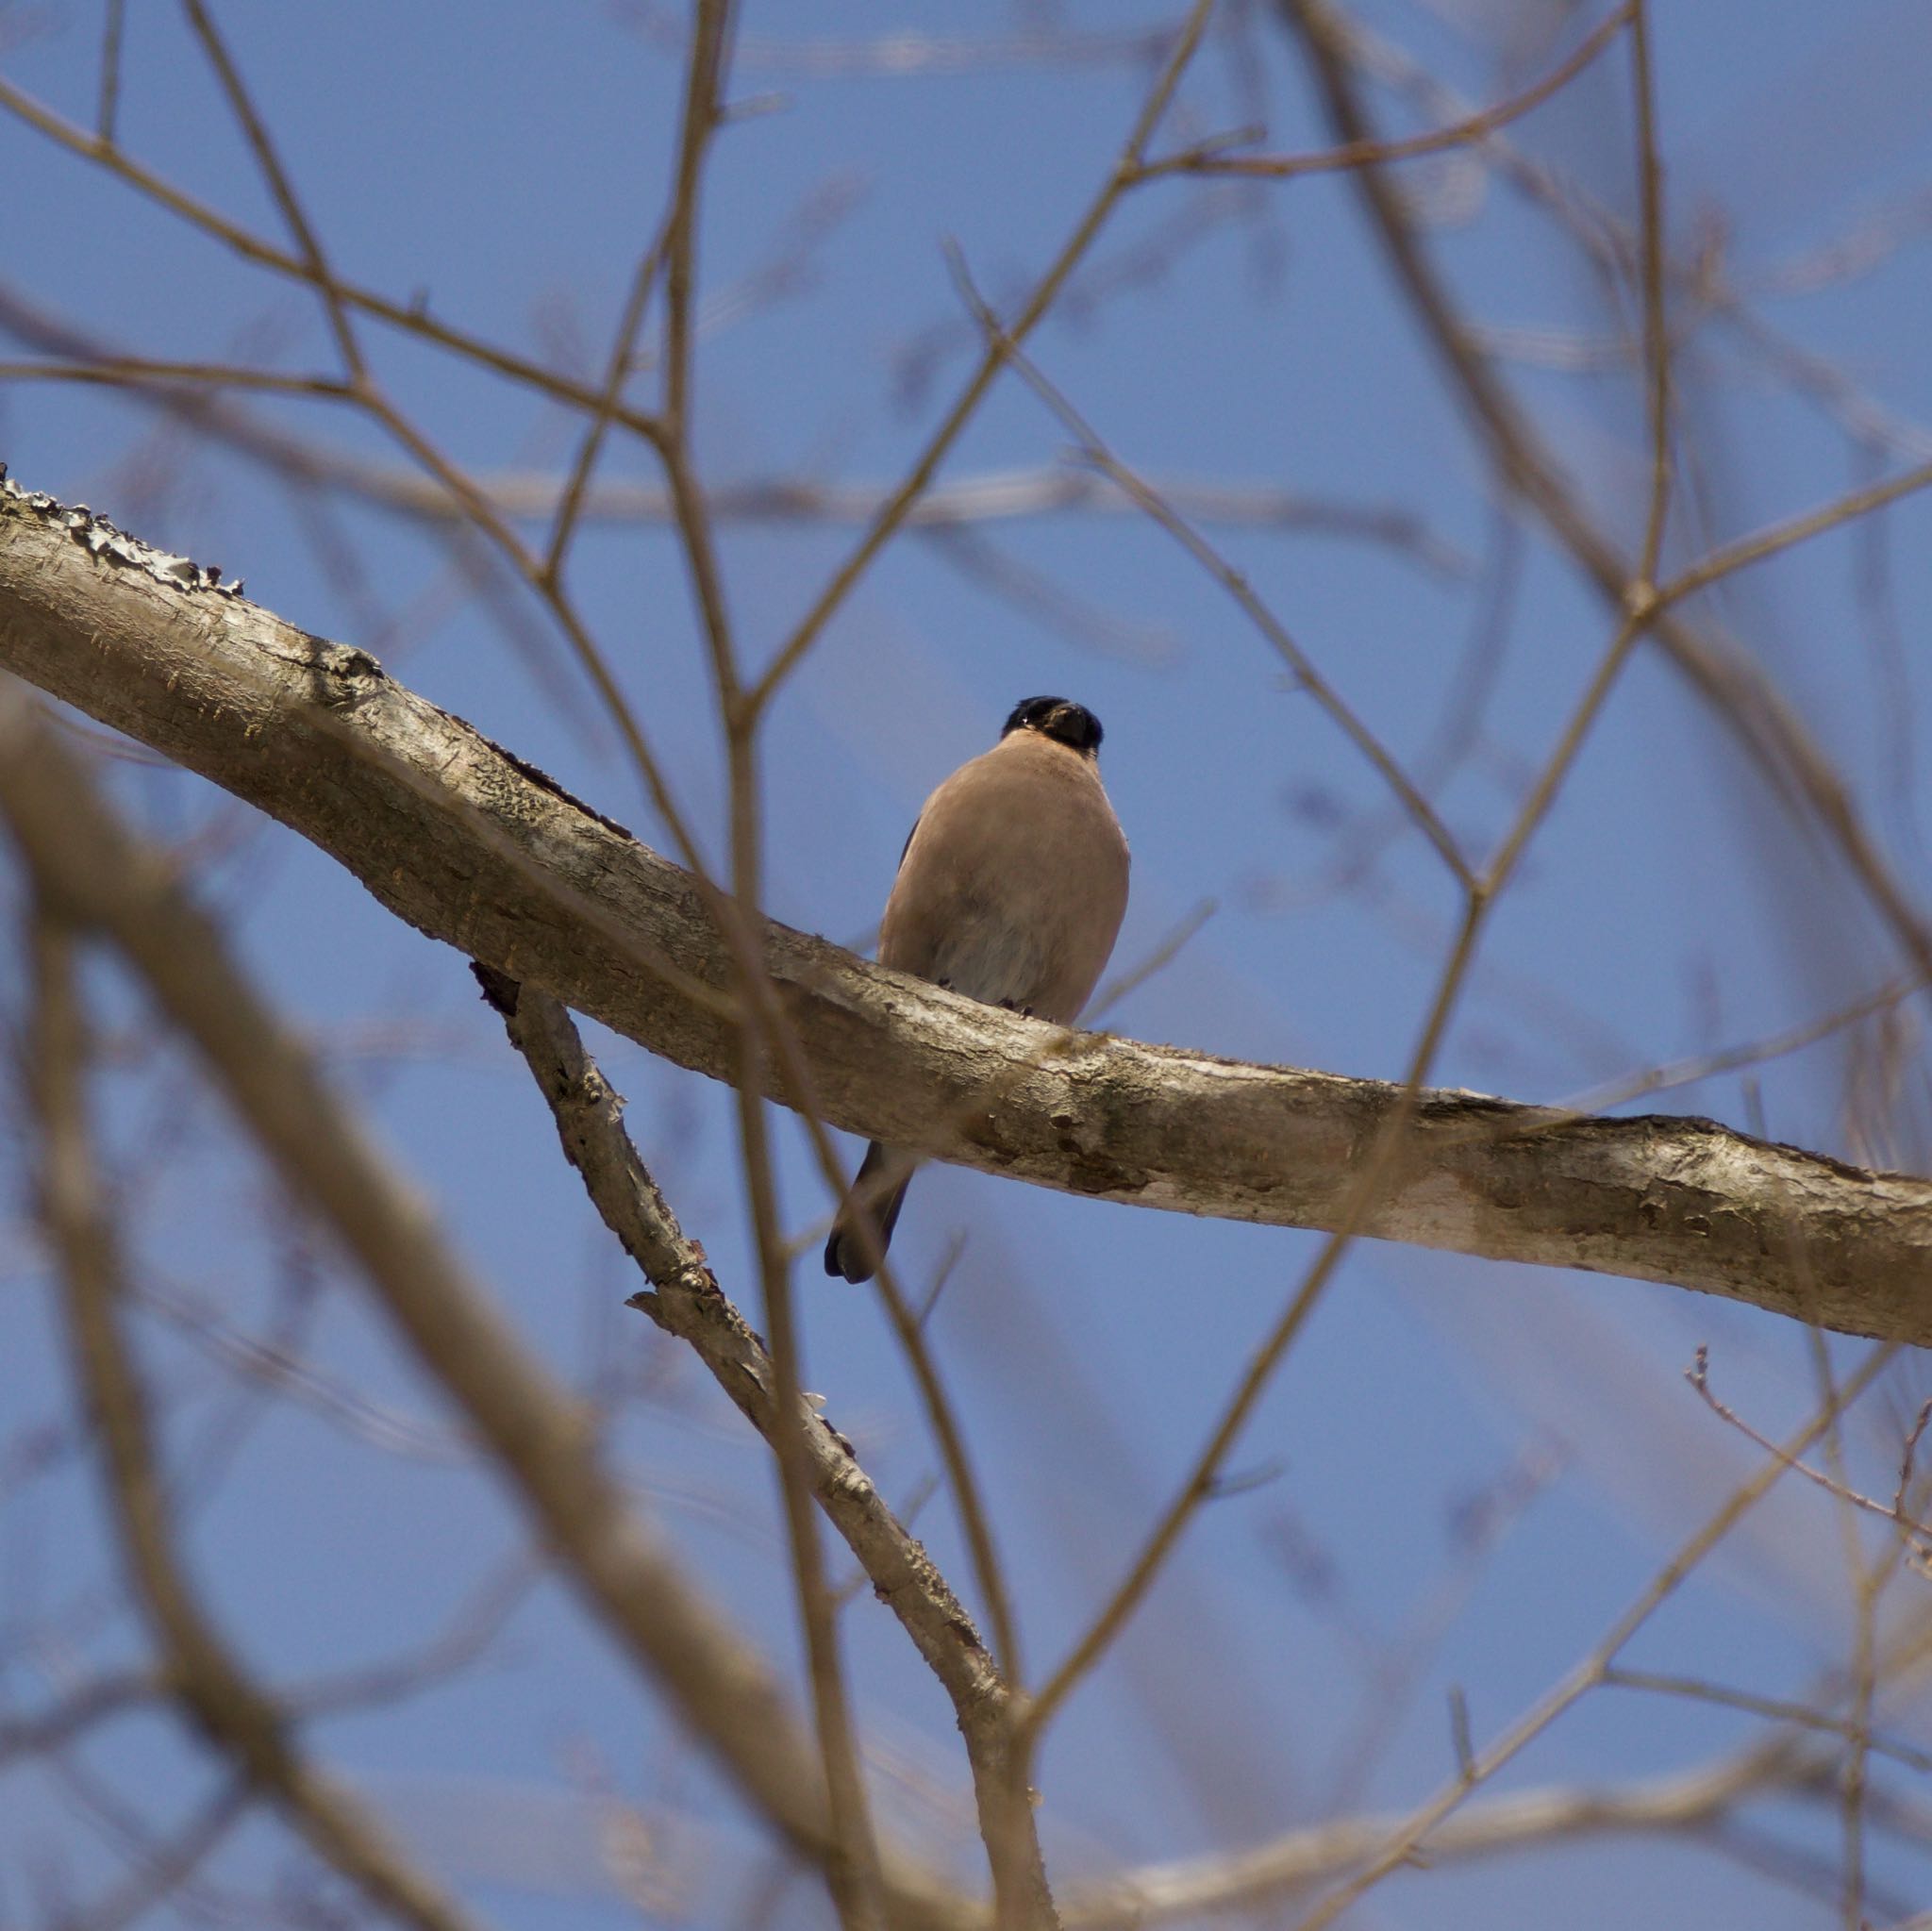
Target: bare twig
x,y
892,513
93,1703
1358,153
616,372
168,1867
255,129
1784,536
190,392
1747,1053
1402,1845
411,319
134,372
1734,685
1918,1534
1781,1710
109,109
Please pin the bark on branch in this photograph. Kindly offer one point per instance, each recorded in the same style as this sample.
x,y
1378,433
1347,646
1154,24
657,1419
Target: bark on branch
x,y
474,847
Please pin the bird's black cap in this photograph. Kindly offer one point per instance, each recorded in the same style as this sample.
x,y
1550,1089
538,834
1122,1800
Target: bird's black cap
x,y
1068,724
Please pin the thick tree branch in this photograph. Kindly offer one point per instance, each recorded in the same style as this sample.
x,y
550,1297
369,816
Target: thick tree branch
x,y
471,847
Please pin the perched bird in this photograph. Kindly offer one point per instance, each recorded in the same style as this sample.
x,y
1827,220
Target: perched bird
x,y
1011,890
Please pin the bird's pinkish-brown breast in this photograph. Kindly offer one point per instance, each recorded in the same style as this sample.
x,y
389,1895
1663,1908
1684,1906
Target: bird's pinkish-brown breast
x,y
1015,882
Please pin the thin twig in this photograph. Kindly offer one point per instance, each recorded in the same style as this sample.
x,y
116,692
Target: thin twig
x,y
1733,682
1784,536
1402,1845
280,186
1698,1376
1190,1890
617,370
411,317
168,1868
892,513
109,107
133,371
94,1702
1780,1710
1699,1067
1159,957
1359,154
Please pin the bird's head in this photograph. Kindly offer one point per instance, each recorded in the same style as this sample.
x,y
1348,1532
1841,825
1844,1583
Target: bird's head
x,y
1068,724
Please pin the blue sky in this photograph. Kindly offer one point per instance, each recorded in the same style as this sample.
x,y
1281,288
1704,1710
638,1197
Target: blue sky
x,y
509,162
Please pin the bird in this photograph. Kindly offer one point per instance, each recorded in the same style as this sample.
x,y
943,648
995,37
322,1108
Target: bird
x,y
1010,889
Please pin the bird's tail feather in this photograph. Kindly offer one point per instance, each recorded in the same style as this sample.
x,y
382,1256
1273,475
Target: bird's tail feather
x,y
864,1229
